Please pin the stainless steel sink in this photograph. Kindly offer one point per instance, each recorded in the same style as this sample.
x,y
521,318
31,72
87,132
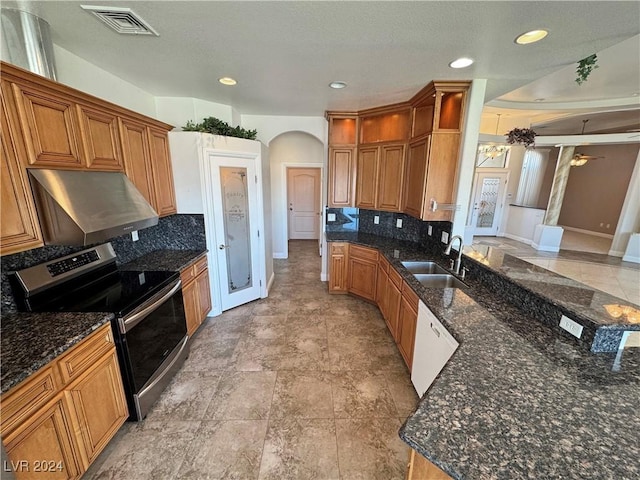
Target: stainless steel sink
x,y
424,267
439,280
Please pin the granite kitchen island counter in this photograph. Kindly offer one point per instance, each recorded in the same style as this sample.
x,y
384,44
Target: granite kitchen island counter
x,y
29,341
518,399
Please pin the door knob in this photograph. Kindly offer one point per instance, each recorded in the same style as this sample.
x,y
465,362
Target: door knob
x,y
222,247
291,209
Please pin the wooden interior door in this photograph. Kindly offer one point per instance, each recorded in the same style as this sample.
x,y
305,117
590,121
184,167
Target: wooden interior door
x,y
303,203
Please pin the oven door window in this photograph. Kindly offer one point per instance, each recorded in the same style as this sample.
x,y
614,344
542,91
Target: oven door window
x,y
152,340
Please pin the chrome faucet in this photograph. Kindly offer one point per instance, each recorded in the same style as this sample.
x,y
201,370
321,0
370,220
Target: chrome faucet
x,y
456,266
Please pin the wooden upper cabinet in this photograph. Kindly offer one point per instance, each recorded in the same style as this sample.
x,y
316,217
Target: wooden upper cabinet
x,y
441,174
342,130
19,229
342,175
391,178
415,175
367,177
100,139
391,124
137,156
161,172
48,125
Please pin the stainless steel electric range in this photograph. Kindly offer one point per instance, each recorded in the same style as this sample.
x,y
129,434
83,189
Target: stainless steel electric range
x,y
149,325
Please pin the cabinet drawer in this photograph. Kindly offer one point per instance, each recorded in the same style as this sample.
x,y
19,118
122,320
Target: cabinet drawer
x,y
395,277
410,296
363,253
383,263
83,356
200,266
338,248
21,402
188,275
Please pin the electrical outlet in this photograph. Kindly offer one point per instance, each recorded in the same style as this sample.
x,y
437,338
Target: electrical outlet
x,y
445,237
396,254
399,223
574,328
376,219
608,225
141,279
134,236
331,217
429,230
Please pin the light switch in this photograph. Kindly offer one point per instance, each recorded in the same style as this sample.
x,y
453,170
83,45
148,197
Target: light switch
x,y
376,219
429,230
399,223
134,236
331,217
445,237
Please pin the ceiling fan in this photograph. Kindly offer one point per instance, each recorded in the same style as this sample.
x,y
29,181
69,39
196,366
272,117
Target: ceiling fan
x,y
579,159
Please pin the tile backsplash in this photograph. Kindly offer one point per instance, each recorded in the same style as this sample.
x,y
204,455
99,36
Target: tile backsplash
x,y
175,232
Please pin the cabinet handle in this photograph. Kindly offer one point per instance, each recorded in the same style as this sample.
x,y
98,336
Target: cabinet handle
x,y
436,331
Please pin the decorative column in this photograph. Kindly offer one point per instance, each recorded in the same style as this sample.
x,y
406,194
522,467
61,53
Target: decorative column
x,y
548,235
559,186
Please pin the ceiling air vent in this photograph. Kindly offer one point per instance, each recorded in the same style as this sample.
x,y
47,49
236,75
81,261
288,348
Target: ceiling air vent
x,y
122,20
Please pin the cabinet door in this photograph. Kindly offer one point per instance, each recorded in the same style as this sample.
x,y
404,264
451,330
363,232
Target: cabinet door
x,y
100,139
137,163
393,309
204,295
407,331
381,291
367,177
441,174
338,267
48,126
165,197
99,406
421,469
19,229
191,306
341,177
44,441
415,177
391,178
362,278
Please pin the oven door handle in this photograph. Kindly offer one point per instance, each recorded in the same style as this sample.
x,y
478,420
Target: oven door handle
x,y
158,376
127,323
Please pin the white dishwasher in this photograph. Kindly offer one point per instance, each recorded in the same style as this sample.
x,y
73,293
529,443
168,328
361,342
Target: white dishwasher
x,y
433,348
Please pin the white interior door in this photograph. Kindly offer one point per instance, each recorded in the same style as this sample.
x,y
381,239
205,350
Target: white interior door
x,y
488,202
303,203
234,204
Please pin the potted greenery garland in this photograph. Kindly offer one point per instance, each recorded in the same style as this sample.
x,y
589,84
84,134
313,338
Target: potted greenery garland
x,y
218,127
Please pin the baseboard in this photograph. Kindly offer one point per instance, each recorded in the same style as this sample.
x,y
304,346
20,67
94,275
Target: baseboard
x,y
324,277
615,253
517,238
587,232
270,282
629,258
545,249
280,255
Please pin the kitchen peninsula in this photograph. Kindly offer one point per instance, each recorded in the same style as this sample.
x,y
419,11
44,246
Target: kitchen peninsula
x,y
517,399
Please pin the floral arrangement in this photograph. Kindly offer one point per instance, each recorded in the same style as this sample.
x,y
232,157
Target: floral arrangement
x,y
521,136
218,127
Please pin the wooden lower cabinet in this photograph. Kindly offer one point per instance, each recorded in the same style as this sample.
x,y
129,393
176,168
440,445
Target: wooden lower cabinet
x,y
363,271
393,298
338,267
381,288
407,320
53,428
196,294
420,468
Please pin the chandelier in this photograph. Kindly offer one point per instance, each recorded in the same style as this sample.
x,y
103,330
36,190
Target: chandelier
x,y
493,151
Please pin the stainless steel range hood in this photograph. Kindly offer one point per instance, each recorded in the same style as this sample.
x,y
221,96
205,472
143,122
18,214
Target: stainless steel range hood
x,y
83,208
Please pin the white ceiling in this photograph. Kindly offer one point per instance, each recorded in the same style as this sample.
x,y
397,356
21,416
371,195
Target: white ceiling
x,y
284,54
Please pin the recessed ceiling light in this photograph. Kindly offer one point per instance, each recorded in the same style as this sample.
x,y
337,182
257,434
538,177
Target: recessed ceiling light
x,y
461,63
531,37
227,81
338,84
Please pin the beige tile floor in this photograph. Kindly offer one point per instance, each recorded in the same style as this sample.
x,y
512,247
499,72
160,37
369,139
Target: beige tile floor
x,y
301,385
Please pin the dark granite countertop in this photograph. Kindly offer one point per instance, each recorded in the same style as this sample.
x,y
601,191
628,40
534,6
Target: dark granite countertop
x,y
29,341
517,399
165,260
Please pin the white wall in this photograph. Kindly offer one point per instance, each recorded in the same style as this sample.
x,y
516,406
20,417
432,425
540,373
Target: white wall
x,y
179,110
291,149
629,216
521,223
86,77
468,152
270,126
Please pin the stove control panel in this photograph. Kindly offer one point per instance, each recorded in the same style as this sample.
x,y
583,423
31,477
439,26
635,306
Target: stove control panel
x,y
64,266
